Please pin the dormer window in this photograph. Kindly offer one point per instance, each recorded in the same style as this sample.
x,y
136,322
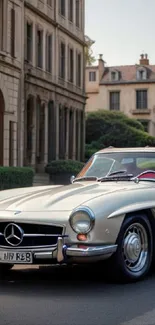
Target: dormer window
x,y
141,74
92,76
114,75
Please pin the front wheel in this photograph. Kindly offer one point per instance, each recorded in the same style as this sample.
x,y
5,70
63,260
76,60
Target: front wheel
x,y
133,257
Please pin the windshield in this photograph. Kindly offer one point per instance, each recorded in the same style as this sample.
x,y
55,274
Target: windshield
x,y
103,164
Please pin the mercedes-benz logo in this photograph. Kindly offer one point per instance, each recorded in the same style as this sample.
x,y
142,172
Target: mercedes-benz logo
x,y
13,234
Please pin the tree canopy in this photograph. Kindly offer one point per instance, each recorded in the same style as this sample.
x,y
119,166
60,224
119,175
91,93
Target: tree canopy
x,y
90,59
111,128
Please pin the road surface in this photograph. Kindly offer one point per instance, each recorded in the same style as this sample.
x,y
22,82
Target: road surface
x,y
60,296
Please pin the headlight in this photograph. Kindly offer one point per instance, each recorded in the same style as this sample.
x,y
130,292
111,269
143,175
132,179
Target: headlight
x,y
82,220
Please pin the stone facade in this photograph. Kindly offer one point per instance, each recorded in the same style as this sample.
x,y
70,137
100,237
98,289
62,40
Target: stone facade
x,y
10,77
130,89
42,97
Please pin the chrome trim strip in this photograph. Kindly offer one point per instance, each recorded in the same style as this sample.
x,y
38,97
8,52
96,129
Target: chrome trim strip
x,y
91,251
28,249
45,255
20,248
40,235
37,235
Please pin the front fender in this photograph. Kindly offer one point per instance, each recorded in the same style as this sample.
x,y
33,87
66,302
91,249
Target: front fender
x,y
133,208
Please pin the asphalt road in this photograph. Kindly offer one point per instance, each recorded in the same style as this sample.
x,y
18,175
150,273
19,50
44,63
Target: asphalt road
x,y
60,296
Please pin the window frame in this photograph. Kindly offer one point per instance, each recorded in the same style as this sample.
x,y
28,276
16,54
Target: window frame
x,y
140,101
114,92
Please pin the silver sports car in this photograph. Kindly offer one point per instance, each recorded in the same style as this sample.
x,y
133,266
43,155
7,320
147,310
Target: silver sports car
x,y
107,213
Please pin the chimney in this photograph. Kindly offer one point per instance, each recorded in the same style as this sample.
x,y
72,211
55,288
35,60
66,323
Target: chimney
x,y
101,66
144,59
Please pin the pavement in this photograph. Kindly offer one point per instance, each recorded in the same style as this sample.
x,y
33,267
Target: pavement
x,y
73,296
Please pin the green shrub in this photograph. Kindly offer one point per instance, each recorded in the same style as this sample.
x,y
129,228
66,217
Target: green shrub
x,y
15,177
121,135
64,167
99,122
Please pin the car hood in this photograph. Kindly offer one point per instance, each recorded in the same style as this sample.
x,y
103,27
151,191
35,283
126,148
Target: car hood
x,y
62,198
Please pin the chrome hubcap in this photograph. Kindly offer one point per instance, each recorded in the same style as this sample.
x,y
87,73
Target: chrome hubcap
x,y
135,247
132,247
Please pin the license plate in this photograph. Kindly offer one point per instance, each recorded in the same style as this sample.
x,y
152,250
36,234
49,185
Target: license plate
x,y
16,257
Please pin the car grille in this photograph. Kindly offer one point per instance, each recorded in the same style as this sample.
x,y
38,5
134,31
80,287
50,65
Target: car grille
x,y
34,235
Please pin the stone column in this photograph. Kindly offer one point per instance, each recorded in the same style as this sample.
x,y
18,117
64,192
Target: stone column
x,y
67,134
57,128
63,135
38,108
74,135
83,135
79,135
46,134
34,129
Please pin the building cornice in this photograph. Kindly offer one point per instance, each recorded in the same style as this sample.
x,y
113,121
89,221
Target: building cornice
x,y
119,83
29,78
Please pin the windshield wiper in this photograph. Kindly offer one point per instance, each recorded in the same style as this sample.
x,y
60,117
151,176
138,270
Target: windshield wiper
x,y
117,172
86,178
115,176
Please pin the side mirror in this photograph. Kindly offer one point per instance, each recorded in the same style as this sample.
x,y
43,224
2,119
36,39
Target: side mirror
x,y
72,179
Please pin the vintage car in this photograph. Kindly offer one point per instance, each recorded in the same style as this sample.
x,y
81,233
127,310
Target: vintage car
x,y
107,213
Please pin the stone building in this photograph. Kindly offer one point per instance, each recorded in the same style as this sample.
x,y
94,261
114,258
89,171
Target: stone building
x,y
42,72
129,89
10,78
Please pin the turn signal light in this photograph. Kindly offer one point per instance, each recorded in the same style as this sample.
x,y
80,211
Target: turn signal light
x,y
82,237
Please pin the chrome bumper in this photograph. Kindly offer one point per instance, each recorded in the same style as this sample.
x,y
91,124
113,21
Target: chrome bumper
x,y
63,253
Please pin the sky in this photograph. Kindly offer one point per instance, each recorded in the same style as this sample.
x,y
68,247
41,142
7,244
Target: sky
x,y
121,29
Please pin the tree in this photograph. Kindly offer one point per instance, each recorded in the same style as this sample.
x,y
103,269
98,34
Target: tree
x,y
90,59
99,122
110,128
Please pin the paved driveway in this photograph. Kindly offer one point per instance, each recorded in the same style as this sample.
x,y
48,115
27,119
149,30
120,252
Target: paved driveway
x,y
60,296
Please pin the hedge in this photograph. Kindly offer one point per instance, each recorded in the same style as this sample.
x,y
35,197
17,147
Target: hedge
x,y
64,167
121,135
99,122
108,128
15,177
